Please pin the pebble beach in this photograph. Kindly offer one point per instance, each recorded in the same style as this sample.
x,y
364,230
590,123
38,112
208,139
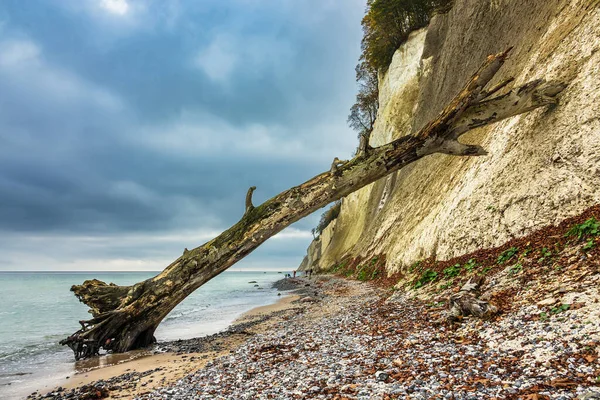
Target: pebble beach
x,y
343,339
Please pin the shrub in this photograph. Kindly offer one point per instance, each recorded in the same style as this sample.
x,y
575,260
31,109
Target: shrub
x,y
327,217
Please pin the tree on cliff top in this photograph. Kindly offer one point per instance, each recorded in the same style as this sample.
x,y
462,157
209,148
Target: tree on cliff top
x,y
386,25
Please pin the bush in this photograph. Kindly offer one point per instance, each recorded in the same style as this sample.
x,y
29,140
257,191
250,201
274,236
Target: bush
x,y
327,217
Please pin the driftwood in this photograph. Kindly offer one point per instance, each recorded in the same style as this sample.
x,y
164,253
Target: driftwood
x,y
125,317
467,302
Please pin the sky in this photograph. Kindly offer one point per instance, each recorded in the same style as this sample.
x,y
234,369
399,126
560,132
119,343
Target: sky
x,y
132,129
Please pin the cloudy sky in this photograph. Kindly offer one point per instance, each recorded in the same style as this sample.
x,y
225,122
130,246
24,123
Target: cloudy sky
x,y
130,129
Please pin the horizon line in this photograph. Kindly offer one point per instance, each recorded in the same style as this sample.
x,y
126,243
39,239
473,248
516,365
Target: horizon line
x,y
91,271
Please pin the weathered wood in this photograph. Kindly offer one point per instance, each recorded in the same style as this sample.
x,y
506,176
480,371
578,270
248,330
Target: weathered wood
x,y
467,302
125,318
249,205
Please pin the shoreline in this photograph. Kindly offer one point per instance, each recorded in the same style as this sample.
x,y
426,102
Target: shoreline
x,y
347,339
140,371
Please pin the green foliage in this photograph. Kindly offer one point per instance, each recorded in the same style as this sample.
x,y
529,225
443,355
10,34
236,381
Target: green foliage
x,y
589,245
486,270
507,255
366,273
591,227
559,309
452,271
388,23
515,269
543,316
446,285
415,266
470,265
339,267
546,252
328,216
426,277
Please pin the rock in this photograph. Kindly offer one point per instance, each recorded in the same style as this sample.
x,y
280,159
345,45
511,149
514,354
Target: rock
x,y
547,302
252,282
381,376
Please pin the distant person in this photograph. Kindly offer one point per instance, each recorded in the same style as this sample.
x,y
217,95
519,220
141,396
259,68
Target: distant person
x,y
294,273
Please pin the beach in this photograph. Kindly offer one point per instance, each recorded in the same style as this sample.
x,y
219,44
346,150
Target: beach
x,y
345,339
137,372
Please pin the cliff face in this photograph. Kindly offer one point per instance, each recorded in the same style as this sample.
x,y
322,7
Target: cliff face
x,y
542,167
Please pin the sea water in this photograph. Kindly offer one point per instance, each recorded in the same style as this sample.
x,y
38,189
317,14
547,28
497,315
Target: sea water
x,y
37,310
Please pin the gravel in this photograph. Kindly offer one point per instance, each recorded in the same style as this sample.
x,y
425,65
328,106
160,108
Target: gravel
x,y
360,346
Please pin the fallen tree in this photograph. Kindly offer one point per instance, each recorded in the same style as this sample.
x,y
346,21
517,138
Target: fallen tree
x,y
125,317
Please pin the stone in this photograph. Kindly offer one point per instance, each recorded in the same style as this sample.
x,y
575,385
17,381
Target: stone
x,y
381,376
547,302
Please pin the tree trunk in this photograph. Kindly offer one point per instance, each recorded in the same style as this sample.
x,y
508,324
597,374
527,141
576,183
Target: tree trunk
x,y
125,318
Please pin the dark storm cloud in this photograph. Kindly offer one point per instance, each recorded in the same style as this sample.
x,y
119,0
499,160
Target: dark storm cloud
x,y
121,117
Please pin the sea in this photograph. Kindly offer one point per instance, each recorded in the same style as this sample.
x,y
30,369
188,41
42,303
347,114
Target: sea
x,y
37,310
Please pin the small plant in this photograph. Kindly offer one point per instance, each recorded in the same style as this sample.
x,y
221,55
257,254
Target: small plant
x,y
452,271
486,270
446,285
527,251
507,255
589,245
470,265
339,267
491,208
543,316
515,269
426,277
416,265
591,227
559,309
546,253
